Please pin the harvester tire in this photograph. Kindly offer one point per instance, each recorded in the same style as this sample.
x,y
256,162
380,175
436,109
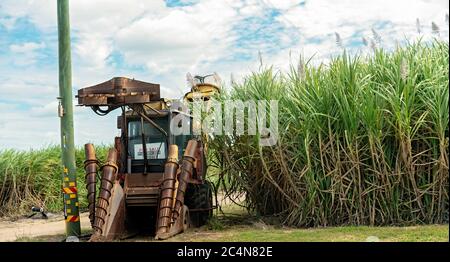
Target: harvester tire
x,y
199,197
186,218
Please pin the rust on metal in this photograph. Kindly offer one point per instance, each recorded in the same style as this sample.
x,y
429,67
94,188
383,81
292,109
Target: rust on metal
x,y
187,167
200,164
115,222
90,167
178,226
142,196
109,171
119,148
167,189
143,180
119,91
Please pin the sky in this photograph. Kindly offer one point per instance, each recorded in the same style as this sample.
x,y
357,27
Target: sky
x,y
160,41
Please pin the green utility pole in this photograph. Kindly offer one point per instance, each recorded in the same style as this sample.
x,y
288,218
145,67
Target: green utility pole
x,y
65,111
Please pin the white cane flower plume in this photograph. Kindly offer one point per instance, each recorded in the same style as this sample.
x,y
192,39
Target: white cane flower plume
x,y
404,68
418,26
190,80
290,56
232,79
376,36
365,42
217,79
373,45
260,59
435,28
301,68
338,39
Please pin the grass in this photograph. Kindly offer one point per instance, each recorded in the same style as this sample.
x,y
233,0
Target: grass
x,y
52,238
238,226
362,141
49,238
33,178
431,233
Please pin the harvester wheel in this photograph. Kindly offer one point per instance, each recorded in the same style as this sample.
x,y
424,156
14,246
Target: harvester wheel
x,y
199,199
186,219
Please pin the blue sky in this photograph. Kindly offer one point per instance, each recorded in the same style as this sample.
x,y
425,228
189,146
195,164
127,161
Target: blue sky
x,y
160,41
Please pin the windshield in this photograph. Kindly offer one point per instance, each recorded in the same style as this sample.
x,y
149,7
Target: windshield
x,y
155,141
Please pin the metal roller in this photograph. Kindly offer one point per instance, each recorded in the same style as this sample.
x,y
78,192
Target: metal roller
x,y
109,171
187,168
91,167
167,190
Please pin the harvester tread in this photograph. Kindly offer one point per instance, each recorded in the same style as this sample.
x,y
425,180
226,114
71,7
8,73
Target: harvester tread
x,y
199,197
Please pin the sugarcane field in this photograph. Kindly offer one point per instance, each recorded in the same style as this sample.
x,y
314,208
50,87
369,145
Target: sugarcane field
x,y
251,126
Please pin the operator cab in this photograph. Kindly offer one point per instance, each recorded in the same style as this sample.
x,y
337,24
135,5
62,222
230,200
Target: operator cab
x,y
155,145
157,137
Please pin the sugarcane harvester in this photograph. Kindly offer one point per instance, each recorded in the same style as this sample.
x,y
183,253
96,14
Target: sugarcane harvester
x,y
149,168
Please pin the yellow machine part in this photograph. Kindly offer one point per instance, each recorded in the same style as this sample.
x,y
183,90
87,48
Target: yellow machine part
x,y
155,105
206,90
158,105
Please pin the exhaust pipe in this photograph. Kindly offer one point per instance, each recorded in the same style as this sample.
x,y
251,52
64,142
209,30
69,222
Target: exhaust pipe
x,y
90,167
109,171
167,190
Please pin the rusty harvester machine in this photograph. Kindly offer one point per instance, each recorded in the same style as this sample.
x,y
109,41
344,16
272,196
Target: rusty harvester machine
x,y
151,177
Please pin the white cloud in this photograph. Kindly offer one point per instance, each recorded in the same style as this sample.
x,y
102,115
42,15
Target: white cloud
x,y
30,88
181,39
26,47
40,12
251,8
93,51
26,53
7,22
22,130
285,4
48,109
96,22
323,18
159,44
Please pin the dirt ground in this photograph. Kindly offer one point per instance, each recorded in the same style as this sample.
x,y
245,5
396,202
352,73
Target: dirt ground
x,y
35,227
53,228
235,224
